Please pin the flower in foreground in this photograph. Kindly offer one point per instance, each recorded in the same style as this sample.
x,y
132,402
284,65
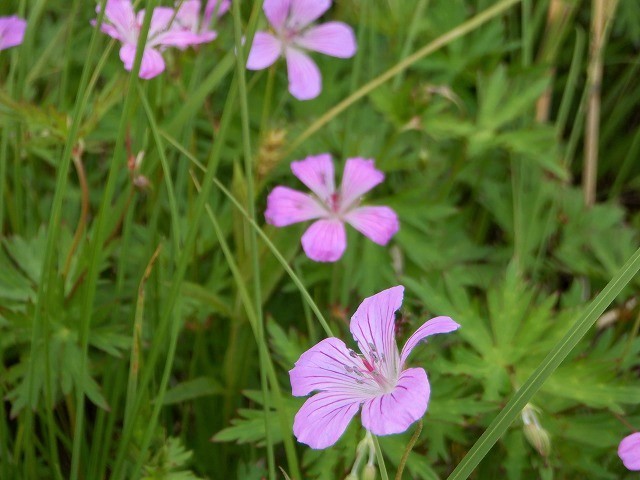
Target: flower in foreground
x,y
122,23
629,451
325,240
291,22
392,397
11,31
189,19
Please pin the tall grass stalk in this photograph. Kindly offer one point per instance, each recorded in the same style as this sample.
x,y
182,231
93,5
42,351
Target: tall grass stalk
x,y
241,57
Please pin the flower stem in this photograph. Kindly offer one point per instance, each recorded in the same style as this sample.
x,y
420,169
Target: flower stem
x,y
407,451
381,466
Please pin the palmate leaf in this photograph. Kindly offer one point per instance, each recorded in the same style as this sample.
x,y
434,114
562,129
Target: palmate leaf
x,y
170,463
59,354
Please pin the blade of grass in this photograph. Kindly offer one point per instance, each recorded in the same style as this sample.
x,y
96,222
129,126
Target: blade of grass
x,y
240,47
555,357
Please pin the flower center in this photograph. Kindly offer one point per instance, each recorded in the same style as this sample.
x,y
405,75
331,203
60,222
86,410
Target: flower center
x,y
370,367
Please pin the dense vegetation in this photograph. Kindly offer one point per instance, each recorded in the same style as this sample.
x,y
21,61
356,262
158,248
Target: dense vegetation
x,y
149,316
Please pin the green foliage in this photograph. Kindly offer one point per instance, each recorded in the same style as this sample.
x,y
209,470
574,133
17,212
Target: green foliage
x,y
128,309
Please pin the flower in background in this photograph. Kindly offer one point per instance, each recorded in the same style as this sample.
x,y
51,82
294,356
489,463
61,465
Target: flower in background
x,y
188,18
392,397
11,31
122,23
291,20
629,451
325,240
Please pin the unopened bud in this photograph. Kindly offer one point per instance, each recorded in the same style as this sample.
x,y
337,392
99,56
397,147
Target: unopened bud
x,y
369,472
537,436
351,476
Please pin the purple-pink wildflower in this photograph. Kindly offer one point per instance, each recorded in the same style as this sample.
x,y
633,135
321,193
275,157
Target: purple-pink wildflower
x,y
122,23
629,451
189,19
291,20
325,240
392,397
11,31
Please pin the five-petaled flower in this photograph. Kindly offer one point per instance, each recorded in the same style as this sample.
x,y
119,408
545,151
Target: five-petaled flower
x,y
325,240
122,23
188,18
392,397
629,451
291,20
11,31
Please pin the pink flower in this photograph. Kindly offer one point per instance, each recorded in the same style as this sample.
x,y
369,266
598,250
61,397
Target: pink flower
x,y
122,23
325,240
11,31
629,451
291,21
391,397
188,18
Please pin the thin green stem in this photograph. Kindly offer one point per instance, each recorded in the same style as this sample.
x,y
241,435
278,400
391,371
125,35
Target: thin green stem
x,y
407,451
381,465
253,241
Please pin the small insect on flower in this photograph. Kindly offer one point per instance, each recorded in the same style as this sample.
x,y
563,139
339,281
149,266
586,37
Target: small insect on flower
x,y
122,23
11,31
629,451
292,34
392,397
325,240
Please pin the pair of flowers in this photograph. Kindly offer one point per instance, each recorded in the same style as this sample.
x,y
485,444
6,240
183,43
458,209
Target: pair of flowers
x,y
292,34
180,28
11,31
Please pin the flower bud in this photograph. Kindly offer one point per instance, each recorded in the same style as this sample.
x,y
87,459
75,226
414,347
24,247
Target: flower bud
x,y
351,476
369,472
537,436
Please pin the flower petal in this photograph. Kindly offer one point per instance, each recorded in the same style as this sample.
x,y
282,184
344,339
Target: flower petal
x,y
323,418
316,172
325,240
377,223
394,412
152,62
181,38
265,50
277,12
373,327
332,38
11,31
327,366
286,206
303,12
188,15
161,19
215,6
432,327
305,81
360,175
121,15
629,451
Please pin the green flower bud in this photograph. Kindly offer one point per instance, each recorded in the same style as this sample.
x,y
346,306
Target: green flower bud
x,y
369,472
537,436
